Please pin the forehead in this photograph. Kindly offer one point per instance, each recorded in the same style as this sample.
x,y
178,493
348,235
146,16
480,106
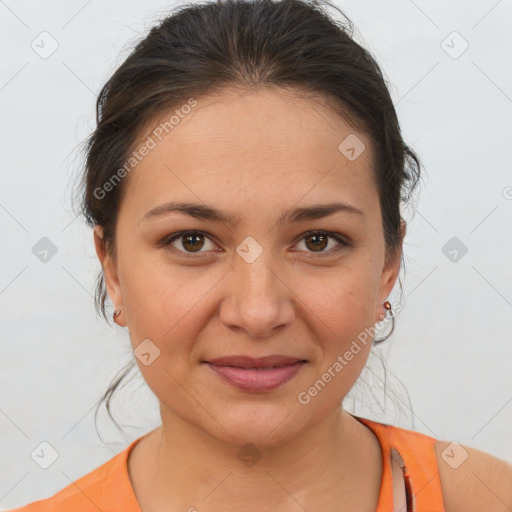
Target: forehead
x,y
260,148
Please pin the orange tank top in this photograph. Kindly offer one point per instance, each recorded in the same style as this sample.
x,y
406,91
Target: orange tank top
x,y
410,477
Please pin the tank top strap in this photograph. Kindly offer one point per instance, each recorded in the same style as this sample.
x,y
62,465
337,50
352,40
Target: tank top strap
x,y
421,471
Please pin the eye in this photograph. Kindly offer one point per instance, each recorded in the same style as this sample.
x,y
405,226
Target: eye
x,y
193,241
318,240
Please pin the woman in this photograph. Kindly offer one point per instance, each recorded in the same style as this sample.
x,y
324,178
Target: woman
x,y
244,183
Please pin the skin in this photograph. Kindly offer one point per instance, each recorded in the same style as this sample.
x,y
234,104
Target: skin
x,y
254,154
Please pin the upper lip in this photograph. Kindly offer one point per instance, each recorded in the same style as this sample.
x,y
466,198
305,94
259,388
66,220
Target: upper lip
x,y
251,362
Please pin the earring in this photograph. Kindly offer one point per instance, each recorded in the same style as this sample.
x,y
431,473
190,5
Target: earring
x,y
115,315
387,305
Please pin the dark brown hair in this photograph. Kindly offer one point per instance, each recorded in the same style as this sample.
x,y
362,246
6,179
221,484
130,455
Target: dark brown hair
x,y
205,47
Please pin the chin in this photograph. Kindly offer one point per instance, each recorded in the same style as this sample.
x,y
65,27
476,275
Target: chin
x,y
264,425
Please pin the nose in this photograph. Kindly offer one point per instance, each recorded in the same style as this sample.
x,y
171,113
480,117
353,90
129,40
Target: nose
x,y
258,299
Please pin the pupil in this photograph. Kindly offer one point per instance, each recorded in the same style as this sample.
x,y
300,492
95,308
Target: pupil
x,y
316,245
192,237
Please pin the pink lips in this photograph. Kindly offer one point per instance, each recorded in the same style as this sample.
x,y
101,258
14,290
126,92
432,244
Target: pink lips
x,y
261,374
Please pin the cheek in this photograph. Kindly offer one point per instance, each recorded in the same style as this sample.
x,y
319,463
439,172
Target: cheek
x,y
166,303
343,299
167,307
342,312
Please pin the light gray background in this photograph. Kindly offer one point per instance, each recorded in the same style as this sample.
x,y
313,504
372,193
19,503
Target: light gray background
x,y
452,346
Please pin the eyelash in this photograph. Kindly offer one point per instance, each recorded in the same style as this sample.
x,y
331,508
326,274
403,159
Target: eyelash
x,y
180,234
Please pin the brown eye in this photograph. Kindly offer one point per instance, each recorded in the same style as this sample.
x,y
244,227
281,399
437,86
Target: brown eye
x,y
193,241
190,242
316,242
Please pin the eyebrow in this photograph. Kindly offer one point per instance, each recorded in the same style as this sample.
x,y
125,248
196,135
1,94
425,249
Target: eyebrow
x,y
204,212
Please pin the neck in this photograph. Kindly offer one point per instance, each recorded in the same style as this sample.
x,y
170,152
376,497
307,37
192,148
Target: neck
x,y
186,469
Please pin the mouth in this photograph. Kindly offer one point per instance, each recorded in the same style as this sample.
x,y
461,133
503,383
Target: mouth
x,y
256,374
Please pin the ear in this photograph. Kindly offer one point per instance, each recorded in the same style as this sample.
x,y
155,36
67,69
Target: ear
x,y
109,269
389,274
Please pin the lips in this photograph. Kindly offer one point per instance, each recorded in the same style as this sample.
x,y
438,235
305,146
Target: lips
x,y
246,362
256,374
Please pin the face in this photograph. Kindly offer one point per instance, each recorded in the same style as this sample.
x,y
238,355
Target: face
x,y
193,287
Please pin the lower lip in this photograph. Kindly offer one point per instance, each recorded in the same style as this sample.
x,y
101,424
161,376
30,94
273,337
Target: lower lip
x,y
257,380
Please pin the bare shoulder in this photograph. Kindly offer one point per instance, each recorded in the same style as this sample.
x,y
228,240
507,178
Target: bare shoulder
x,y
472,480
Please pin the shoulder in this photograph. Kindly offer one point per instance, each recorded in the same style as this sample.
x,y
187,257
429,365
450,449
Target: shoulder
x,y
107,487
472,480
